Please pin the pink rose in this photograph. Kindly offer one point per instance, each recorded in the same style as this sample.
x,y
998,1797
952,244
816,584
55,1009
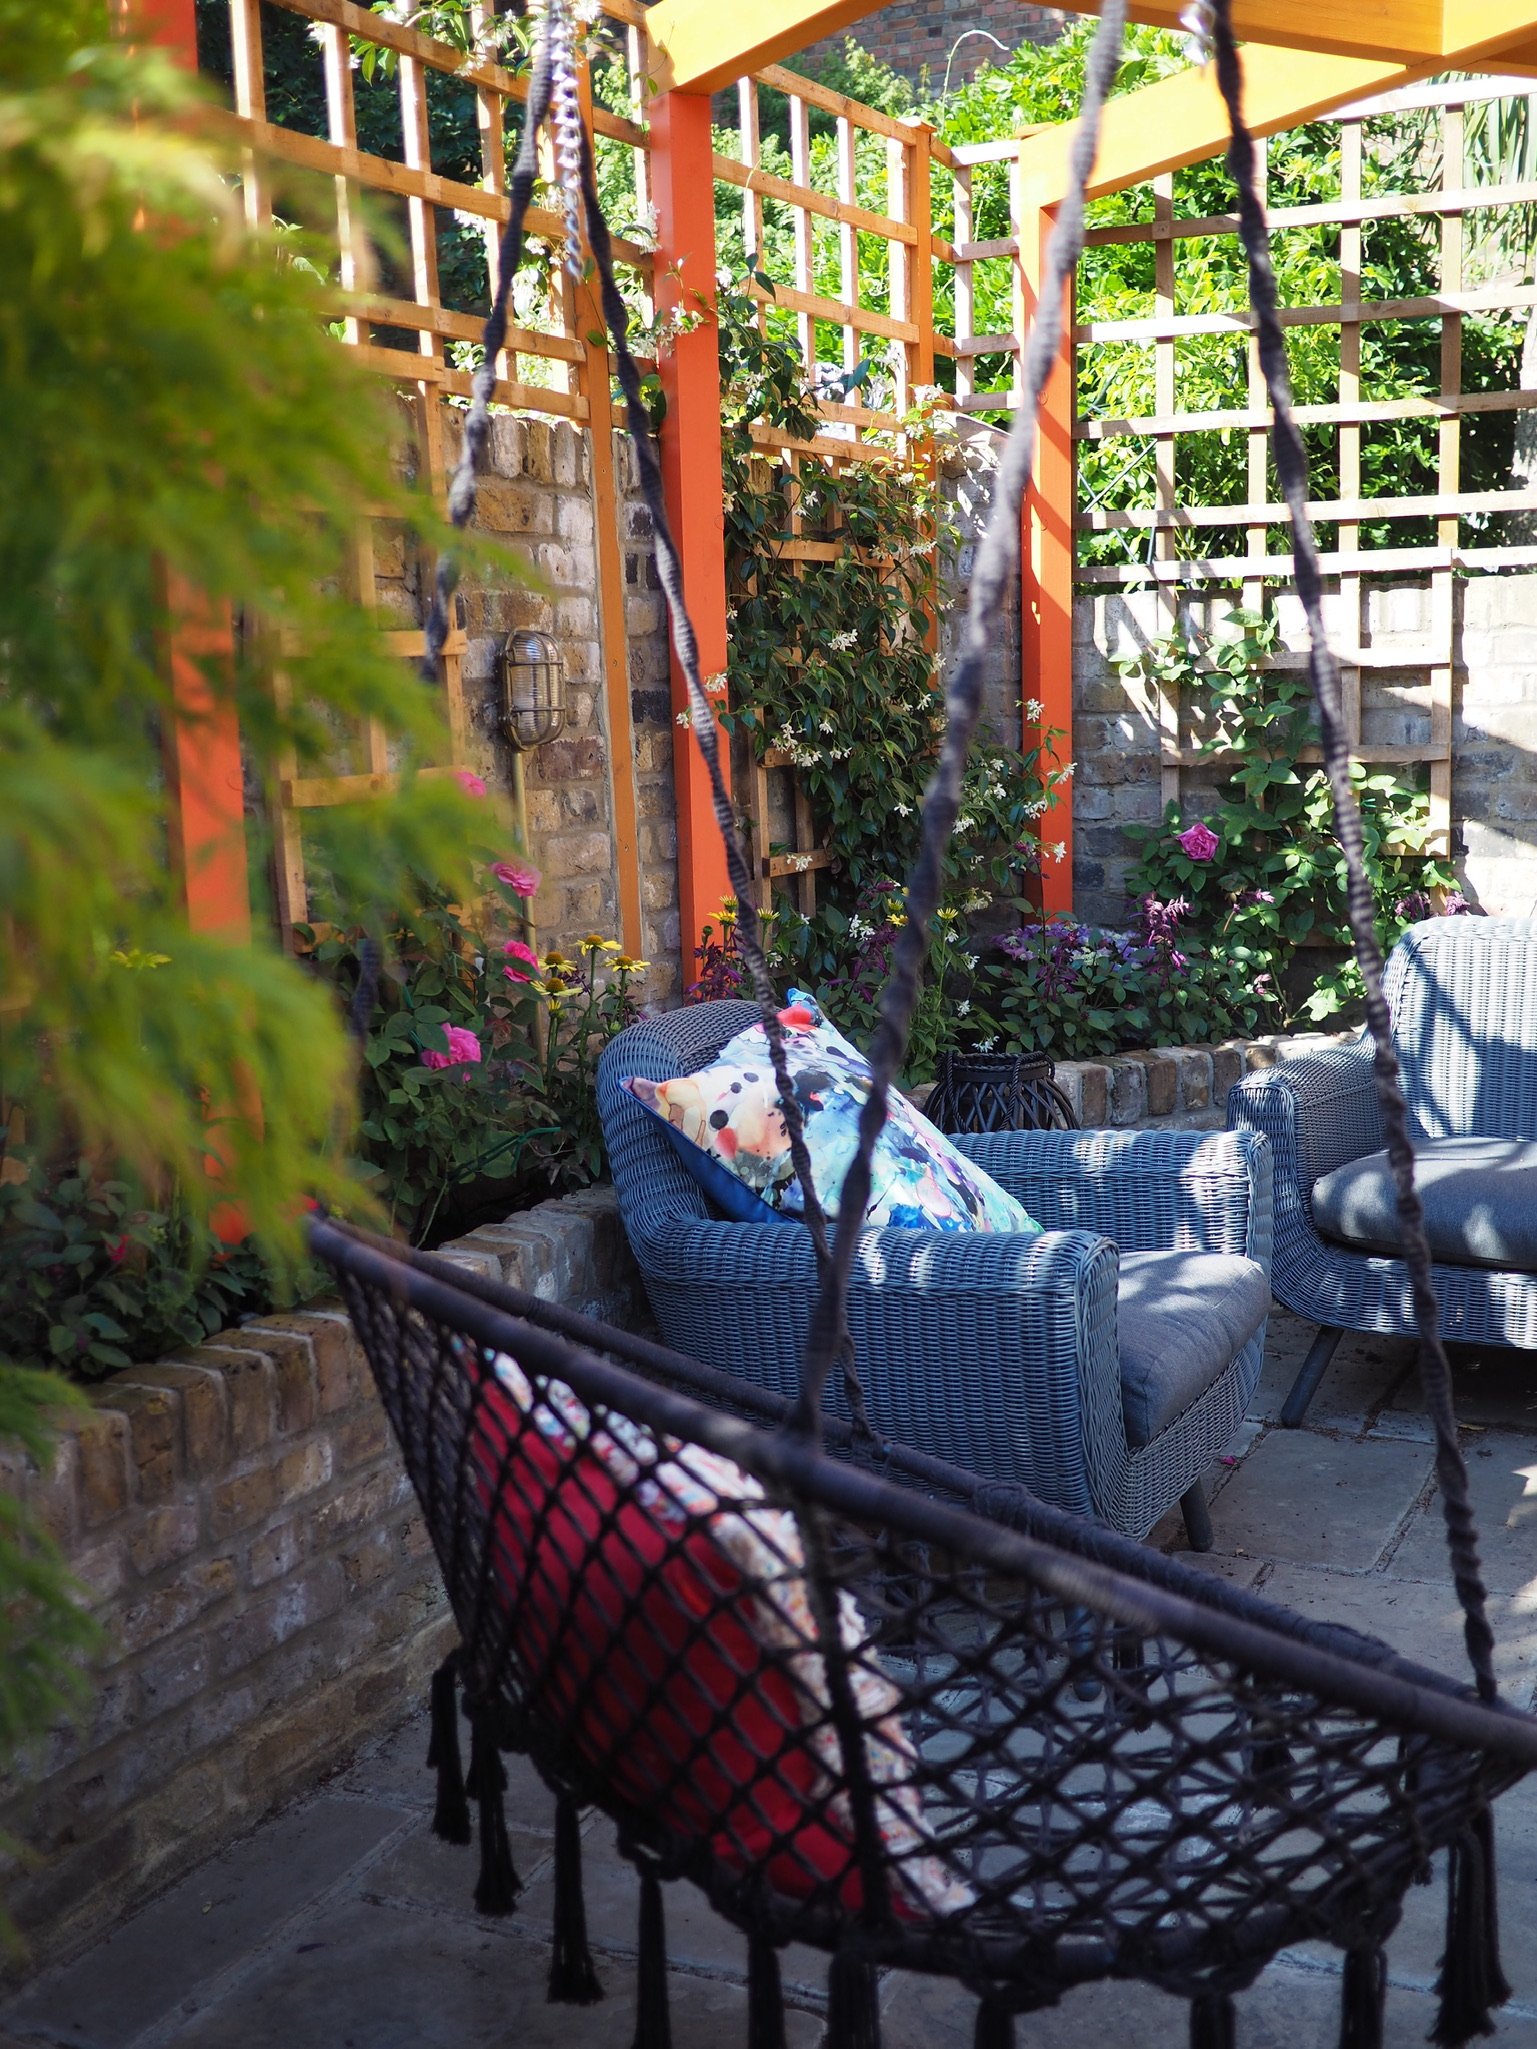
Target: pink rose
x,y
519,951
117,1251
519,877
463,1049
1199,841
471,784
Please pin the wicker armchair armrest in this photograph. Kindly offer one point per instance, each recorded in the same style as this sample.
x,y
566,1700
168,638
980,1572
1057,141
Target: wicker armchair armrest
x,y
1148,1191
1318,1111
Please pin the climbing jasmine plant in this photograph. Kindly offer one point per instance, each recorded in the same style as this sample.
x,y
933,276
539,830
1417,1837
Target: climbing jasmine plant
x,y
832,664
1259,872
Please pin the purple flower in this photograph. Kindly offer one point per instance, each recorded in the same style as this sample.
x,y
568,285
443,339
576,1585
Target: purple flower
x,y
1199,841
1413,907
1457,906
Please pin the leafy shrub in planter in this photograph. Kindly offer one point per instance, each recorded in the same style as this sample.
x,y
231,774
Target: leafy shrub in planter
x,y
94,1276
477,1062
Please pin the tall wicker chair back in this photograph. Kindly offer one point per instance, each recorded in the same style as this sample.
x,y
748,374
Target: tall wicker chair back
x,y
864,1700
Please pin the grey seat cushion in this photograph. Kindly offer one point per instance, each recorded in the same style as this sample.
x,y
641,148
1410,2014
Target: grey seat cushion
x,y
1480,1198
1183,1318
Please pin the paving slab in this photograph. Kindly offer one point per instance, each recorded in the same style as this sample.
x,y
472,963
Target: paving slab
x,y
1491,1385
362,1976
1312,1499
1420,1619
1361,1379
421,1871
155,1963
1502,1474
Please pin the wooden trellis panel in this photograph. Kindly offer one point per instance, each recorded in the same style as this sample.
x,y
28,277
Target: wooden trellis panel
x,y
902,330
573,381
1158,534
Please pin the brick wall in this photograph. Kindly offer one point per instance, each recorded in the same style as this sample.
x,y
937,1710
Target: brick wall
x,y
914,36
1494,731
243,1527
537,495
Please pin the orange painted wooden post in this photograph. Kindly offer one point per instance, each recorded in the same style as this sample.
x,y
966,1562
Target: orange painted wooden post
x,y
683,192
205,780
1046,568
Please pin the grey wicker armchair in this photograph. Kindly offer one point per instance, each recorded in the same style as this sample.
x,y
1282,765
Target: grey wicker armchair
x,y
1463,997
1102,1364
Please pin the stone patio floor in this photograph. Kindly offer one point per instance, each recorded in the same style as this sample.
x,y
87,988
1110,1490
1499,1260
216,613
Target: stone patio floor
x,y
342,1924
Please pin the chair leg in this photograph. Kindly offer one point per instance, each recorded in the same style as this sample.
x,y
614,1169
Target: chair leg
x,y
1314,1367
1192,1506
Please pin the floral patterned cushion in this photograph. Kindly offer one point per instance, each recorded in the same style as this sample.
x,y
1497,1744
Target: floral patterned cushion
x,y
727,1124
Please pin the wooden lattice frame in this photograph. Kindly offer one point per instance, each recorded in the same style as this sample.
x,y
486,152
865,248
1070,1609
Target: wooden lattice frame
x,y
576,387
1352,565
906,325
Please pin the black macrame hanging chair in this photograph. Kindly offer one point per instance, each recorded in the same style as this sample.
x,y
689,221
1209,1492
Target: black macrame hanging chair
x,y
860,1698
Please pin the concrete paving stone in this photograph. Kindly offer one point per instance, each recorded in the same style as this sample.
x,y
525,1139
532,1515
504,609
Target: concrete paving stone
x,y
1491,1385
424,1872
1290,2004
154,1963
1420,1619
395,1769
1315,1500
362,1976
1502,1474
1362,1377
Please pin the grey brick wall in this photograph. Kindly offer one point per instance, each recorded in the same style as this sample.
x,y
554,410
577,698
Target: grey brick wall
x,y
1494,730
916,36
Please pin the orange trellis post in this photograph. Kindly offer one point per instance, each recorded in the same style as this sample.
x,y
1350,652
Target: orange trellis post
x,y
683,190
205,779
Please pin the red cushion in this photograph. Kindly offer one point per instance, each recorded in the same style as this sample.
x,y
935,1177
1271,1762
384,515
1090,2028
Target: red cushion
x,y
640,1640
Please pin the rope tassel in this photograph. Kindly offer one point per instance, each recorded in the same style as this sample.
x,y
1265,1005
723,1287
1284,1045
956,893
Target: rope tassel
x,y
1471,1983
653,2016
995,2026
573,1979
1213,2023
1362,1998
451,1814
497,1889
765,1996
853,2009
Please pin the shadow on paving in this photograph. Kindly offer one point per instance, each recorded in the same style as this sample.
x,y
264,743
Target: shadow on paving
x,y
343,1924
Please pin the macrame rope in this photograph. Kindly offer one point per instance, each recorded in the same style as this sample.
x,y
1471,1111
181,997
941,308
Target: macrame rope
x,y
1291,469
996,562
702,717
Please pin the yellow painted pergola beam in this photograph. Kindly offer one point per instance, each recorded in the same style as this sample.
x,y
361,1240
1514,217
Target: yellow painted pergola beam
x,y
702,45
1181,120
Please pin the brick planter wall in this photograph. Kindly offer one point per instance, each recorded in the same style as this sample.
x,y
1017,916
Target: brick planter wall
x,y
241,1522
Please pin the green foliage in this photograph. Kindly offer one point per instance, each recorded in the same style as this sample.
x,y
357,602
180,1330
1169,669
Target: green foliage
x,y
177,420
831,665
1275,880
93,1276
1076,991
477,1065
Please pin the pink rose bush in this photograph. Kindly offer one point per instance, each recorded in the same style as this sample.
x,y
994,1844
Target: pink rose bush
x,y
518,949
463,1049
1199,841
518,876
471,784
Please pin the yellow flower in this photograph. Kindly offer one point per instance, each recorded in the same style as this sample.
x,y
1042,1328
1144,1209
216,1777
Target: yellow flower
x,y
596,943
947,916
135,957
553,959
897,918
625,966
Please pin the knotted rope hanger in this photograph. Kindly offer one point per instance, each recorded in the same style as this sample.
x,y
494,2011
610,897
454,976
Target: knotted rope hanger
x,y
996,563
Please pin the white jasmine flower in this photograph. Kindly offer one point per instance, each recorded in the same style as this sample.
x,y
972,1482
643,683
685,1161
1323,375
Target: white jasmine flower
x,y
685,718
965,824
1033,708
842,642
986,1045
904,810
826,726
963,1008
971,961
1059,850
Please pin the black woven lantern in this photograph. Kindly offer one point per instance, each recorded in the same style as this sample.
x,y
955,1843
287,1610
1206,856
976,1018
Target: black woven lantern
x,y
998,1092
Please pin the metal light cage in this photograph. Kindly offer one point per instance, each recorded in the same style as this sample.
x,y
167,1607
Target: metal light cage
x,y
531,684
